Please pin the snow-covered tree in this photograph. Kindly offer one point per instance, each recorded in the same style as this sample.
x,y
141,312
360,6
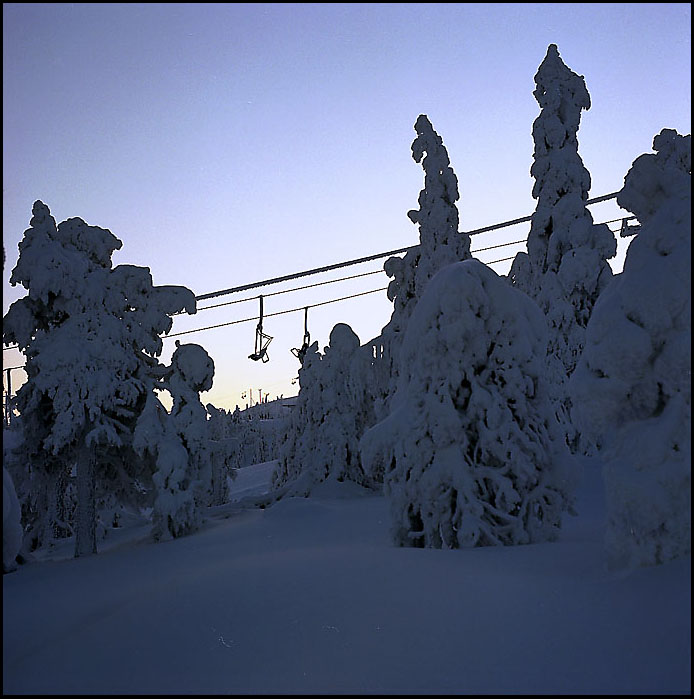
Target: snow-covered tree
x,y
632,387
192,372
296,445
471,446
181,443
12,532
565,268
324,430
91,335
221,462
251,436
440,244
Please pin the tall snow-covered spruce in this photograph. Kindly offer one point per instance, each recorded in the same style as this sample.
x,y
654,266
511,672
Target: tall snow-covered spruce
x,y
91,335
565,268
471,446
632,387
440,244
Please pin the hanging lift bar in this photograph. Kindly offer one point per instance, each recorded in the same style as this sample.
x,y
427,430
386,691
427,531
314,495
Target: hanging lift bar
x,y
261,339
301,352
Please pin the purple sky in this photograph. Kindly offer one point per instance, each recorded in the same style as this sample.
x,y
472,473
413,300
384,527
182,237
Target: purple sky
x,y
229,143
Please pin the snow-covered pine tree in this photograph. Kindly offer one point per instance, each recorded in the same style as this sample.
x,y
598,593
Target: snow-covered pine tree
x,y
473,453
90,334
565,268
145,310
12,531
192,374
184,479
323,432
221,454
632,387
440,244
291,471
342,409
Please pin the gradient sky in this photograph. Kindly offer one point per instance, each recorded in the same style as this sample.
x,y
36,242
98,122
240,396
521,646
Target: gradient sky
x,y
230,143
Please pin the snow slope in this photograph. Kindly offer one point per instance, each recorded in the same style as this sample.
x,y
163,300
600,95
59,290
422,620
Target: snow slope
x,y
309,596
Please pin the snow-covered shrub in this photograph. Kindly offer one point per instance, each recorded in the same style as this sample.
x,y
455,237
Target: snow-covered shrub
x,y
632,387
471,446
322,439
91,335
565,268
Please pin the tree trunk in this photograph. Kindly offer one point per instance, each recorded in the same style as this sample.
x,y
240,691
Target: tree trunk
x,y
85,525
47,530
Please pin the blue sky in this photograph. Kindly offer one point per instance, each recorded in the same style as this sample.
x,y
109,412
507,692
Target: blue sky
x,y
230,143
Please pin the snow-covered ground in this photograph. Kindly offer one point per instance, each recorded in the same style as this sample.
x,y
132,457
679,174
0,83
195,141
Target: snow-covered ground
x,y
309,596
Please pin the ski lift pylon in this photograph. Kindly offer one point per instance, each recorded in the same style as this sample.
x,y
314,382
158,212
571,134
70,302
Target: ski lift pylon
x,y
261,339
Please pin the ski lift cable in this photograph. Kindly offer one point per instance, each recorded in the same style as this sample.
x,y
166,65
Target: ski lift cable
x,y
276,313
340,279
302,308
348,263
286,291
381,271
368,258
293,310
500,245
622,218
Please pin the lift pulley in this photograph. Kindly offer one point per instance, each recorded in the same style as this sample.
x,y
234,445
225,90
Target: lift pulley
x,y
261,339
301,352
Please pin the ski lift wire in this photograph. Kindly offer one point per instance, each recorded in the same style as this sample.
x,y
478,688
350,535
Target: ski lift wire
x,y
340,279
620,219
286,291
276,313
500,245
368,258
302,308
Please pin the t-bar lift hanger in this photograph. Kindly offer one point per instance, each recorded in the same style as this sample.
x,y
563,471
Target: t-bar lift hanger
x,y
301,352
261,339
